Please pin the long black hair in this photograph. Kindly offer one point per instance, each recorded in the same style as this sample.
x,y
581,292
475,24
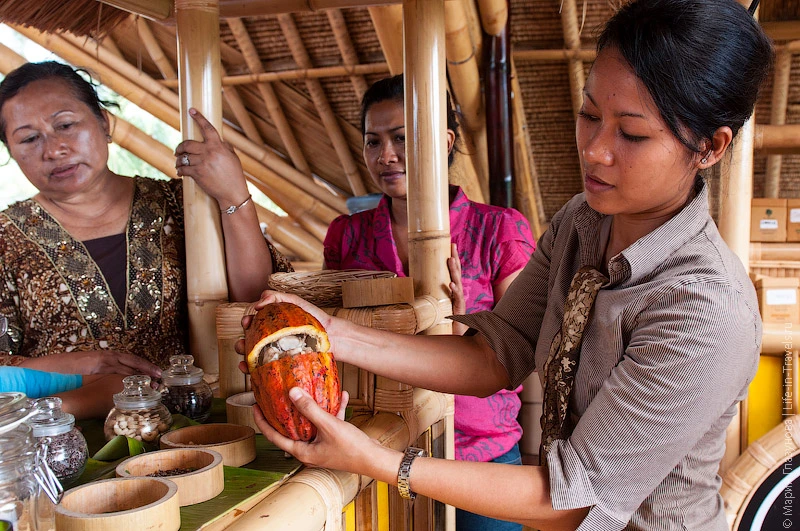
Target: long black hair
x,y
702,61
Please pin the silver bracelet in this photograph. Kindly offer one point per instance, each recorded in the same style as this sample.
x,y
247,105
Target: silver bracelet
x,y
403,484
233,208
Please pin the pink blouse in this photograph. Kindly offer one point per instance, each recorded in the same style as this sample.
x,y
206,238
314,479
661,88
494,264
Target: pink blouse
x,y
493,243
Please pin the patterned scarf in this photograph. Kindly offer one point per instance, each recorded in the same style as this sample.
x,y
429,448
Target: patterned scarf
x,y
562,362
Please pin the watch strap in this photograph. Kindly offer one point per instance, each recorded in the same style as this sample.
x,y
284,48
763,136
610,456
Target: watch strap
x,y
403,473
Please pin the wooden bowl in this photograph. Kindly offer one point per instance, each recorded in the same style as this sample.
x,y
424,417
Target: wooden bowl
x,y
239,408
236,444
121,504
203,480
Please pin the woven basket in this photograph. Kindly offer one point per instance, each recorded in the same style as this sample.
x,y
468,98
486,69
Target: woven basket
x,y
322,288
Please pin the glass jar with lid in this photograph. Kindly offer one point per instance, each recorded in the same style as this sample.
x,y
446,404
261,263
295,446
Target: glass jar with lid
x,y
67,451
138,412
186,392
26,482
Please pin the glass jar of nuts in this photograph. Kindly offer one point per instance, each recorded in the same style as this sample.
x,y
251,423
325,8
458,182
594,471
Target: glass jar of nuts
x,y
186,392
138,412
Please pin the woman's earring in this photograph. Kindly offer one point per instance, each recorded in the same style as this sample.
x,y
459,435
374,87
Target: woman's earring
x,y
704,160
108,138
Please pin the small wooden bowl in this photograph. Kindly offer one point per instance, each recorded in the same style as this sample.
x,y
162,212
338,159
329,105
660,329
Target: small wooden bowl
x,y
239,408
236,444
121,504
205,480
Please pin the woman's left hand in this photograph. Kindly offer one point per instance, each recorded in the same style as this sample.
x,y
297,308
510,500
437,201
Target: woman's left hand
x,y
213,164
456,289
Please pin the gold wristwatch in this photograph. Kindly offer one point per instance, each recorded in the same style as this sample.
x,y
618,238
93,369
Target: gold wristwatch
x,y
403,472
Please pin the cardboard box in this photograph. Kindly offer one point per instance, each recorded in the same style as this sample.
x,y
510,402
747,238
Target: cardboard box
x,y
793,221
768,220
778,299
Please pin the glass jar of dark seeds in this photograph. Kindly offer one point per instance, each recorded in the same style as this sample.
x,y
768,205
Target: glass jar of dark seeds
x,y
138,412
186,392
66,450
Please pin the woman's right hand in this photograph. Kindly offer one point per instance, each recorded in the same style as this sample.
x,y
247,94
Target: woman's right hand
x,y
94,362
456,289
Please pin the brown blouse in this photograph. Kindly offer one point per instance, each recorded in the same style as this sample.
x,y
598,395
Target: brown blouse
x,y
57,299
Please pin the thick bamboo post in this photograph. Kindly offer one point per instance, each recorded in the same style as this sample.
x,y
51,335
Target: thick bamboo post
x,y
497,76
271,100
572,40
346,48
388,24
780,99
153,48
199,72
494,14
736,193
528,194
320,99
426,168
163,104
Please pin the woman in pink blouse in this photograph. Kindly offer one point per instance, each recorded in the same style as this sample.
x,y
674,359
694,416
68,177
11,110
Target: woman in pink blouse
x,y
493,244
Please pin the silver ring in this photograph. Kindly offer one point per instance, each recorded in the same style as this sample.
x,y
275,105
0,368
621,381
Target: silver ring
x,y
185,159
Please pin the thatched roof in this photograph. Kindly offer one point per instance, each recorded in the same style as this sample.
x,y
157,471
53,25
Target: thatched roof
x,y
544,84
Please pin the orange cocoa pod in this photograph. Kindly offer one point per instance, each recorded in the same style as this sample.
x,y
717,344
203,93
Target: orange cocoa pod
x,y
314,372
273,371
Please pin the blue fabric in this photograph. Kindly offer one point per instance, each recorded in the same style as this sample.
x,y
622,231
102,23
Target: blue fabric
x,y
36,384
467,521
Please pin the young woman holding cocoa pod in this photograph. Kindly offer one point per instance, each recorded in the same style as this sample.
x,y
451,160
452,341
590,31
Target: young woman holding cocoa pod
x,y
642,323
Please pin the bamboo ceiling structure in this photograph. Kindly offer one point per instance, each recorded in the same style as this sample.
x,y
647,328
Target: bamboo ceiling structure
x,y
294,72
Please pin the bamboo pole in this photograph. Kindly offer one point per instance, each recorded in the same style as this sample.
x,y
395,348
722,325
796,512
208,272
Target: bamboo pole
x,y
782,30
154,9
282,230
528,193
301,74
780,100
554,55
320,99
250,8
388,24
153,48
786,251
777,138
736,193
494,14
135,86
143,146
345,44
199,71
497,79
426,169
240,112
271,101
572,40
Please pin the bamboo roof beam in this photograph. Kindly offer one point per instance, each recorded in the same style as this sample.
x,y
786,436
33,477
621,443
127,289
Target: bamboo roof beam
x,y
320,99
153,9
572,40
238,8
494,15
285,232
528,193
153,48
346,48
556,55
780,99
388,24
300,74
271,101
131,89
462,68
241,113
108,42
206,276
